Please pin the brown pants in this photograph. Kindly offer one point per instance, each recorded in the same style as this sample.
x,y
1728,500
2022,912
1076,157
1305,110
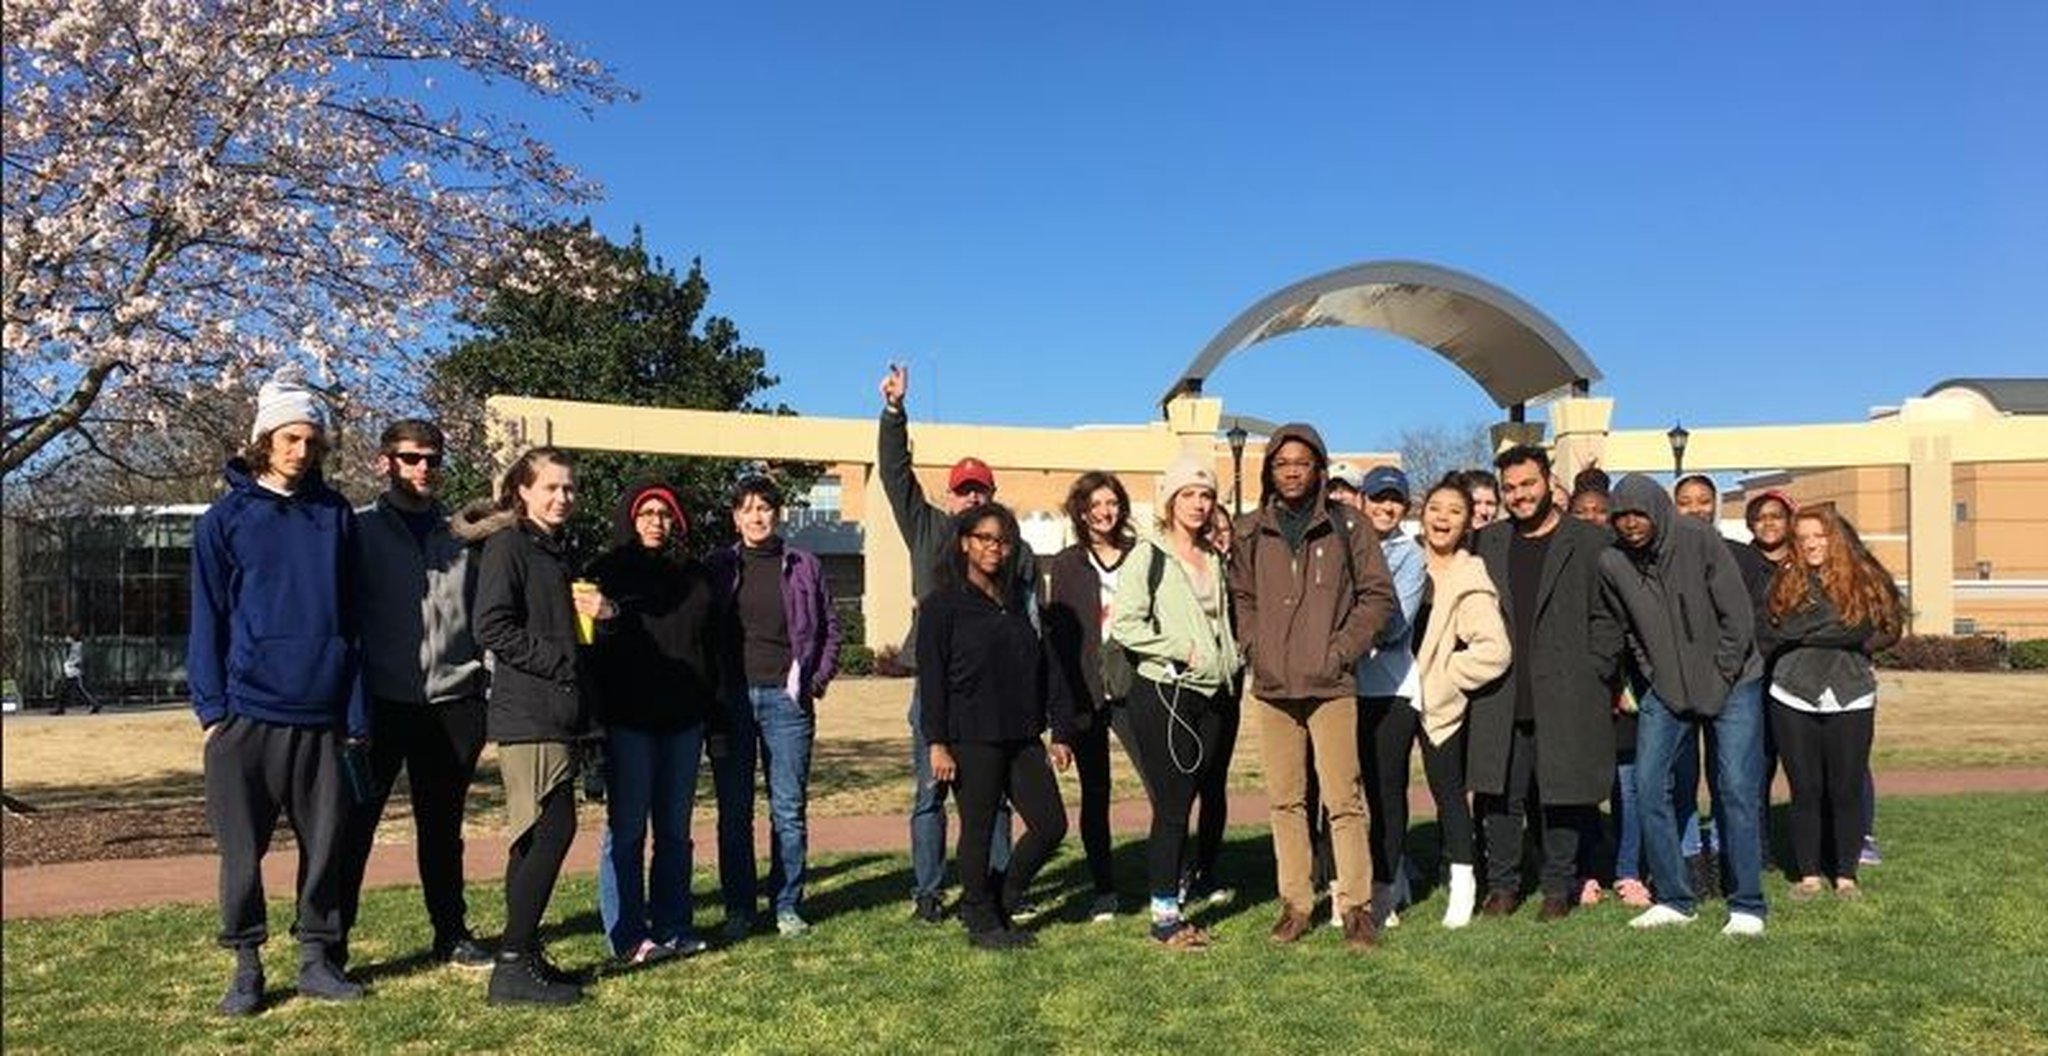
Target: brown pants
x,y
1288,729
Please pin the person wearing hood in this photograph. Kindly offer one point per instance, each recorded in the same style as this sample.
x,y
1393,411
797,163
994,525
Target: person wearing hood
x,y
1171,616
1550,718
783,652
426,681
529,618
274,662
657,680
1693,635
1312,593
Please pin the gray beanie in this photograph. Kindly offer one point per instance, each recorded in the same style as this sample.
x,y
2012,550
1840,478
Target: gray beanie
x,y
285,399
1187,471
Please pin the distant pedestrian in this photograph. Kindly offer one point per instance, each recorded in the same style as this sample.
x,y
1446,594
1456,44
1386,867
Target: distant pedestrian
x,y
528,609
1080,604
426,680
989,694
73,692
274,662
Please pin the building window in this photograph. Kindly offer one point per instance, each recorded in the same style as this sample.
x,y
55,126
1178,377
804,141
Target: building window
x,y
1966,625
1962,512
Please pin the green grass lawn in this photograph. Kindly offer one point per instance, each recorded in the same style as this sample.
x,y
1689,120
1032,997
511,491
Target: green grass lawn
x,y
1949,952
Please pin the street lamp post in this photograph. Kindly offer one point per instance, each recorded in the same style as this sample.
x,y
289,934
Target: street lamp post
x,y
1236,436
1678,436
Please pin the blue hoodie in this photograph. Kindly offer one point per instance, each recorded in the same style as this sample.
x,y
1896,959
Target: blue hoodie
x,y
274,623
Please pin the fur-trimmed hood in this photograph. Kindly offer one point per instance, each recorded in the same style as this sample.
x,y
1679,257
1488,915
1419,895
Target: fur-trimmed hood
x,y
480,520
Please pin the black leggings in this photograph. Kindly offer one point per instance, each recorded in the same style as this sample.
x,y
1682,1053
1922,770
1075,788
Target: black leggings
x,y
1175,733
1387,728
987,773
1826,759
534,864
1212,811
1091,764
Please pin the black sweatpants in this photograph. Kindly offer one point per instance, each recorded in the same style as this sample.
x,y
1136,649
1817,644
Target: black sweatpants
x,y
1091,764
1387,729
1826,759
1507,815
437,745
254,770
533,865
1176,732
987,774
1212,796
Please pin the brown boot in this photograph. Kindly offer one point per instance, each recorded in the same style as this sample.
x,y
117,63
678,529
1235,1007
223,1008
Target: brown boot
x,y
1359,933
1291,926
1500,904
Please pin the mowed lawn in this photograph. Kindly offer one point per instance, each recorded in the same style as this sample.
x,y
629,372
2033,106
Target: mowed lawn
x,y
1949,952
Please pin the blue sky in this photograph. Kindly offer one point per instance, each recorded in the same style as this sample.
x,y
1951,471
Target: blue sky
x,y
1743,212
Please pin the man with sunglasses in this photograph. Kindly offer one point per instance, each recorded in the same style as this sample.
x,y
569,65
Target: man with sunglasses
x,y
928,529
425,677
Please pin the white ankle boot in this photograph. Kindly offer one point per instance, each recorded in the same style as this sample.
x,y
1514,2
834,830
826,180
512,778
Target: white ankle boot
x,y
1464,891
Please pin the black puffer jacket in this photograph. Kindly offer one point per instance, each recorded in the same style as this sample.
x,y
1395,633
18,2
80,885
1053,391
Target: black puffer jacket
x,y
655,664
525,619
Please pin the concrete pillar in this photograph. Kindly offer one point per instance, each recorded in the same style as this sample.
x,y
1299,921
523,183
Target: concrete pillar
x,y
885,562
1931,534
1578,429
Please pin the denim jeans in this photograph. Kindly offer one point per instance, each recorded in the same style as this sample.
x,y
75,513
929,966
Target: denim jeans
x,y
773,729
1628,825
928,819
1739,735
651,775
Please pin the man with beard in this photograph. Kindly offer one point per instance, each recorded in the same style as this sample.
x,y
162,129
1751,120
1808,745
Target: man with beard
x,y
1544,726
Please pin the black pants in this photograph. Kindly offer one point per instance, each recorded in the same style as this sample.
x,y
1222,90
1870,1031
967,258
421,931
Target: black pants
x,y
1176,732
1387,728
533,865
254,770
1091,764
1507,815
74,694
1212,797
987,774
1826,758
437,745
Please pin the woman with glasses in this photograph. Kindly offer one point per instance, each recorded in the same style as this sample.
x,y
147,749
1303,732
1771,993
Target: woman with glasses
x,y
989,691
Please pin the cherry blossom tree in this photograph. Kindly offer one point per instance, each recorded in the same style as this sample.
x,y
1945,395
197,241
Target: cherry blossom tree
x,y
197,191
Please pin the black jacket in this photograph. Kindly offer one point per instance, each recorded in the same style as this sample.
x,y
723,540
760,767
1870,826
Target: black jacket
x,y
1073,628
656,664
525,619
983,674
1811,650
1686,605
1577,647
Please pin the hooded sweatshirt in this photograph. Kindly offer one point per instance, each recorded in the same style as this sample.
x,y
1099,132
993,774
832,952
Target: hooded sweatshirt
x,y
1688,610
274,618
656,666
1306,610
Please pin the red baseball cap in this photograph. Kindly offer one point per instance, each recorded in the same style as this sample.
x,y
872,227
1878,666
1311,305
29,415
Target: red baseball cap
x,y
971,472
1773,495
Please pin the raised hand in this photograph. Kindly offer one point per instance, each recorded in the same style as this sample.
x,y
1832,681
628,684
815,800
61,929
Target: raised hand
x,y
895,385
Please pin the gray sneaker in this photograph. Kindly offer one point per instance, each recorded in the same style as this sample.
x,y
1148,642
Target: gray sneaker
x,y
1103,909
789,925
737,927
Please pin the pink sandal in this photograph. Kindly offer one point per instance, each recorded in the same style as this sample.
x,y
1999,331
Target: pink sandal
x,y
1589,892
1632,892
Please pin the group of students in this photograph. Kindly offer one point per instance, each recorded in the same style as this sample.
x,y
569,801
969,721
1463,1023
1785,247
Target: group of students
x,y
332,648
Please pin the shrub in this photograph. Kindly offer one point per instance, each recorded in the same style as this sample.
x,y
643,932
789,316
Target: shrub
x,y
2030,655
1942,652
856,660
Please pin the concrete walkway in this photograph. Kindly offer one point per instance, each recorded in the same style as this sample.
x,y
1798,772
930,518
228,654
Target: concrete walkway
x,y
73,888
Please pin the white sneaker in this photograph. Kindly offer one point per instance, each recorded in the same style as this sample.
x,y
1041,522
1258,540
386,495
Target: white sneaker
x,y
1743,925
1659,916
1464,892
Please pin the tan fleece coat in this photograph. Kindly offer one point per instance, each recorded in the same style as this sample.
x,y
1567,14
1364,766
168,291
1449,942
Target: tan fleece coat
x,y
1464,647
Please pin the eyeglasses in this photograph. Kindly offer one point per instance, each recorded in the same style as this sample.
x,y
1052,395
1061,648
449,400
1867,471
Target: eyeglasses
x,y
414,458
992,539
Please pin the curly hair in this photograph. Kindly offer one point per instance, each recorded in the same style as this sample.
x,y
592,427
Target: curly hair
x,y
1083,492
1851,578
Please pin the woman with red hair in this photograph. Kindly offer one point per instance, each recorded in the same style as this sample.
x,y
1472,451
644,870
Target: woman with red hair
x,y
1830,608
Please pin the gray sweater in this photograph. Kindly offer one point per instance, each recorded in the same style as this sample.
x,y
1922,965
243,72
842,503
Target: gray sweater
x,y
416,594
1688,610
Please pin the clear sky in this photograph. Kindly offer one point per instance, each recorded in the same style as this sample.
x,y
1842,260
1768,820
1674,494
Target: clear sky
x,y
1744,213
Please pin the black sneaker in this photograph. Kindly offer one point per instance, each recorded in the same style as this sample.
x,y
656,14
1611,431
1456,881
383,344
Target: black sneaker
x,y
556,974
518,979
462,951
929,908
1000,939
320,979
245,988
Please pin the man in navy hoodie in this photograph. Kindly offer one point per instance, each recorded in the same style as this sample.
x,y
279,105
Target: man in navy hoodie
x,y
273,663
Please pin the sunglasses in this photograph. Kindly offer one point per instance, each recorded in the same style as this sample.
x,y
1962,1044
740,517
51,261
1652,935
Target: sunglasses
x,y
414,458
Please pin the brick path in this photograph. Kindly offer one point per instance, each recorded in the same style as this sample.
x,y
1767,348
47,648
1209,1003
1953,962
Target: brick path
x,y
74,888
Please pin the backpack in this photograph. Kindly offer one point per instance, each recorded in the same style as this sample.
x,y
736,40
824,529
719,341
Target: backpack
x,y
1119,666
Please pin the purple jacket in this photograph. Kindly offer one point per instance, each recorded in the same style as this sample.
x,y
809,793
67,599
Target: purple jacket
x,y
806,604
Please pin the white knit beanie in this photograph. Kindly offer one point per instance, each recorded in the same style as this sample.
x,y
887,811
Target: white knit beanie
x,y
285,399
1187,471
